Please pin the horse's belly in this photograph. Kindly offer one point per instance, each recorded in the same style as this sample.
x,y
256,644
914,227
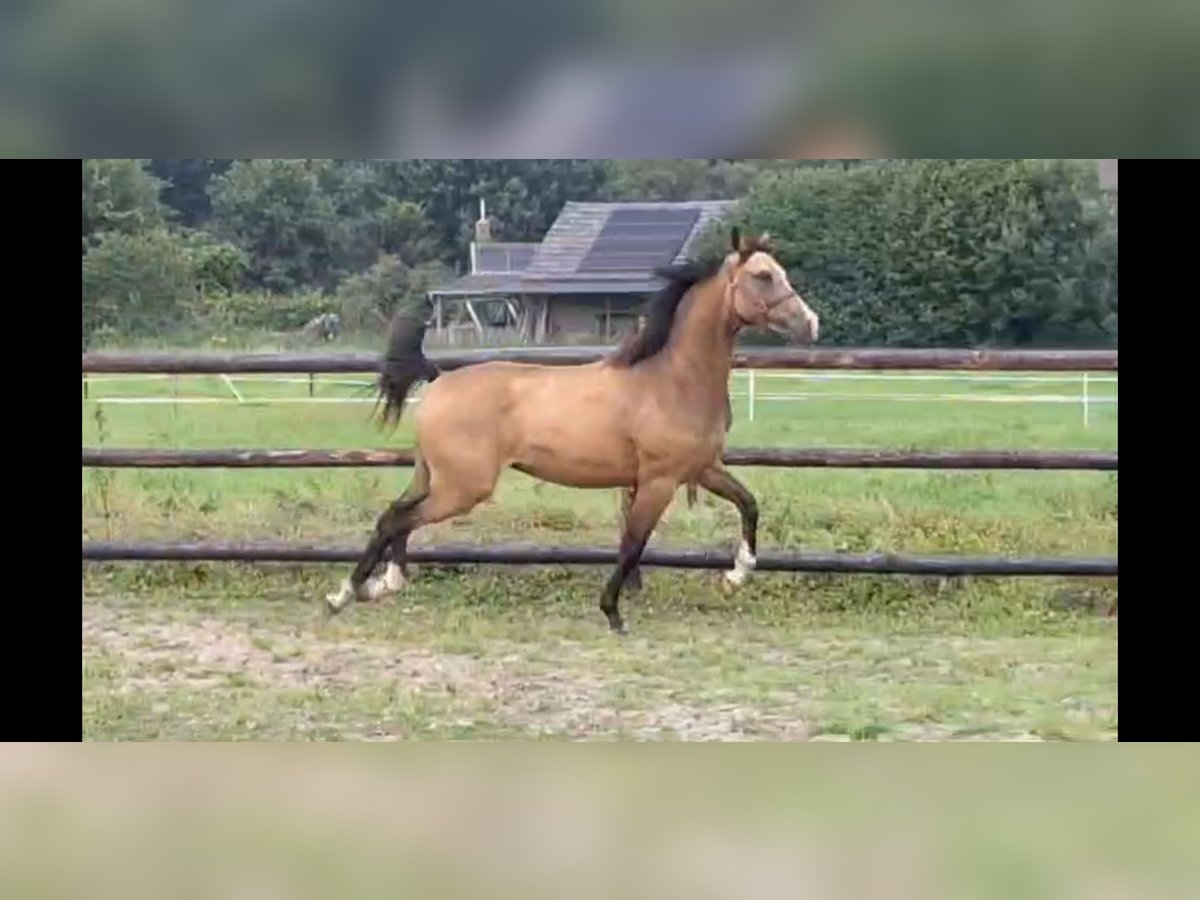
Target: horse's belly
x,y
573,455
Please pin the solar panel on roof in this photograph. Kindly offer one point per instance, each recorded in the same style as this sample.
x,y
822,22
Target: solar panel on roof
x,y
639,240
668,231
635,215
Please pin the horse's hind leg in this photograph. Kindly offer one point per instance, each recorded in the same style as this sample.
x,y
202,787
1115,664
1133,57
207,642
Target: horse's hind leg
x,y
395,575
395,572
391,529
633,581
644,512
436,494
396,549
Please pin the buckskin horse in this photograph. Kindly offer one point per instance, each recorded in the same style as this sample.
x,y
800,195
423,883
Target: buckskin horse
x,y
650,417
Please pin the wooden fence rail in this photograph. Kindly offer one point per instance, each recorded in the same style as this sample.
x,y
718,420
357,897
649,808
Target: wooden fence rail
x,y
734,456
519,554
535,554
750,358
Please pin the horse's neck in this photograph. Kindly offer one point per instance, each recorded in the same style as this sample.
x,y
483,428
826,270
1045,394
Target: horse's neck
x,y
700,350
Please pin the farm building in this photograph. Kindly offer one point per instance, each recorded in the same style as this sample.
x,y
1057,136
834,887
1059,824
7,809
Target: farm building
x,y
585,282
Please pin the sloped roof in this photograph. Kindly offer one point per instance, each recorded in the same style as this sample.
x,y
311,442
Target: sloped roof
x,y
481,285
579,224
554,268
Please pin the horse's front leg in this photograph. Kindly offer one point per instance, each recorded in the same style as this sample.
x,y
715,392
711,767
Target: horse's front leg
x,y
717,479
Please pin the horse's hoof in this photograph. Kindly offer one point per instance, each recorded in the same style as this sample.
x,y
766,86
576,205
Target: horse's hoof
x,y
382,588
618,628
374,591
336,602
743,564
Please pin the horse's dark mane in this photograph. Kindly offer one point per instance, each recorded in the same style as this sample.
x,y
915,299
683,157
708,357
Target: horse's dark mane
x,y
652,337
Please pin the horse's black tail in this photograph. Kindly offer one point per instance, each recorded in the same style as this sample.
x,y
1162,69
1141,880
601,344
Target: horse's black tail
x,y
404,363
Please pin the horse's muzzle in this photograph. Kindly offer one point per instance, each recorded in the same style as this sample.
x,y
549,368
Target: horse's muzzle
x,y
803,328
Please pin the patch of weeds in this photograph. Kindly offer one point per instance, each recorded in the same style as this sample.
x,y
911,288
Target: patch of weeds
x,y
977,730
261,643
103,477
550,519
148,578
429,573
292,504
868,732
853,729
172,493
1055,733
1082,597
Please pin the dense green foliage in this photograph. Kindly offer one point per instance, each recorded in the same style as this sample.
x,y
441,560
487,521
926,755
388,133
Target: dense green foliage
x,y
186,183
948,253
136,282
368,299
696,179
119,196
893,252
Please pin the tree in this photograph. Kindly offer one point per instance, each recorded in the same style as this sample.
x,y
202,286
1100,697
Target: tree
x,y
523,196
669,180
377,222
370,299
217,266
947,252
308,223
282,213
693,179
405,232
119,195
185,187
136,283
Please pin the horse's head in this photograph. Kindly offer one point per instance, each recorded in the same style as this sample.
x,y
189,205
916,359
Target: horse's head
x,y
761,294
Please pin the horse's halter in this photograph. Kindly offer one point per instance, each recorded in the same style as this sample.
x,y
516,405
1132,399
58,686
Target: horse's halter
x,y
767,304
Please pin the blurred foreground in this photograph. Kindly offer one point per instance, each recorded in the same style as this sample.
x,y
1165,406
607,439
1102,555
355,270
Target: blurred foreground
x,y
455,821
537,78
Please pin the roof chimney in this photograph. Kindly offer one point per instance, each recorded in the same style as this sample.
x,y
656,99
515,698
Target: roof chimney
x,y
483,228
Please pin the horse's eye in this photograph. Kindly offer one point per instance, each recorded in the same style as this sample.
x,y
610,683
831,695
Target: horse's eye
x,y
764,277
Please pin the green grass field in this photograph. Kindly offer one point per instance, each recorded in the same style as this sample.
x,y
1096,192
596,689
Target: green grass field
x,y
218,651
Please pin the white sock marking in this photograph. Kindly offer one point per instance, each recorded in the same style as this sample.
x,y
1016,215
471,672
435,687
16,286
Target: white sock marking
x,y
742,563
341,598
393,578
391,582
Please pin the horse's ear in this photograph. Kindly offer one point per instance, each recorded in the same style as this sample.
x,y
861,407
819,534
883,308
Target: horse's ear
x,y
742,246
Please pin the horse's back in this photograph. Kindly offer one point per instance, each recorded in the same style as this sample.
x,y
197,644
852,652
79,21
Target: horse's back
x,y
566,424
